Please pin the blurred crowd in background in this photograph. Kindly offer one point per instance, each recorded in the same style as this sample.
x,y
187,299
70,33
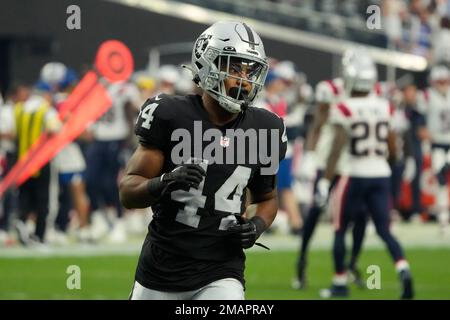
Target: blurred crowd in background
x,y
420,27
75,198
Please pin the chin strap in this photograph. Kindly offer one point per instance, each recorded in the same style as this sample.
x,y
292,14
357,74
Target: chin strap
x,y
261,245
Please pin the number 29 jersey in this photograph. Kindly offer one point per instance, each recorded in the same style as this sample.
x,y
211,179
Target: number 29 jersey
x,y
367,121
193,222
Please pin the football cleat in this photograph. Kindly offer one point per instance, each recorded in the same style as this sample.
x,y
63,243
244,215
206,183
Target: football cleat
x,y
407,283
300,281
335,291
298,284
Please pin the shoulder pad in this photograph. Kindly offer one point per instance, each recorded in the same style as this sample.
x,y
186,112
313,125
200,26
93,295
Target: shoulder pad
x,y
327,91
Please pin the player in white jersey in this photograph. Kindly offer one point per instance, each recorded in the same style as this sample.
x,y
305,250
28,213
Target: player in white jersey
x,y
363,140
317,148
103,158
327,93
115,123
435,106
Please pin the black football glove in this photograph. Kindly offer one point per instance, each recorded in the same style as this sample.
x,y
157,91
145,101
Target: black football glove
x,y
249,231
185,175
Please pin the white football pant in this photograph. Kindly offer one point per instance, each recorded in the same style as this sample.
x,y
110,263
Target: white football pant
x,y
224,289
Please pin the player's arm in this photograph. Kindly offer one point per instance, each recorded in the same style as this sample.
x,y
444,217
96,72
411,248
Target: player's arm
x,y
308,164
324,95
340,140
321,114
392,146
266,207
323,185
264,194
142,185
340,118
144,165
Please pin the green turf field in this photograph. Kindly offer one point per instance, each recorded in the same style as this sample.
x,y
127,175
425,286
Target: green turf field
x,y
268,276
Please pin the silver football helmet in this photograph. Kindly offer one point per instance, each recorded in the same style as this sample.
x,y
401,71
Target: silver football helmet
x,y
358,71
440,78
221,52
439,73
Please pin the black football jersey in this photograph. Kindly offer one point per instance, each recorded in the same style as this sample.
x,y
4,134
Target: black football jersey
x,y
193,222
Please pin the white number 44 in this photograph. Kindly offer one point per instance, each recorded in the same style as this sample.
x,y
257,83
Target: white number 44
x,y
194,199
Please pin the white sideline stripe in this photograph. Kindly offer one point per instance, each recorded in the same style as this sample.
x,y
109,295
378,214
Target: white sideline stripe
x,y
284,34
411,236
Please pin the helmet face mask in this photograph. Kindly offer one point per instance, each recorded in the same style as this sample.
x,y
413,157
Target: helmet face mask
x,y
229,63
245,73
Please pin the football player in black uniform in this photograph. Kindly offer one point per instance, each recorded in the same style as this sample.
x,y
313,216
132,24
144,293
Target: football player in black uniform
x,y
198,156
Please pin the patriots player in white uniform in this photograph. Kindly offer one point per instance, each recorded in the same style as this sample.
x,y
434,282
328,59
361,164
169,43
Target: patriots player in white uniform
x,y
435,107
311,168
363,139
103,157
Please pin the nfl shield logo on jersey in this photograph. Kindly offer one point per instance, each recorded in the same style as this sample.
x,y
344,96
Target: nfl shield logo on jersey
x,y
224,141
